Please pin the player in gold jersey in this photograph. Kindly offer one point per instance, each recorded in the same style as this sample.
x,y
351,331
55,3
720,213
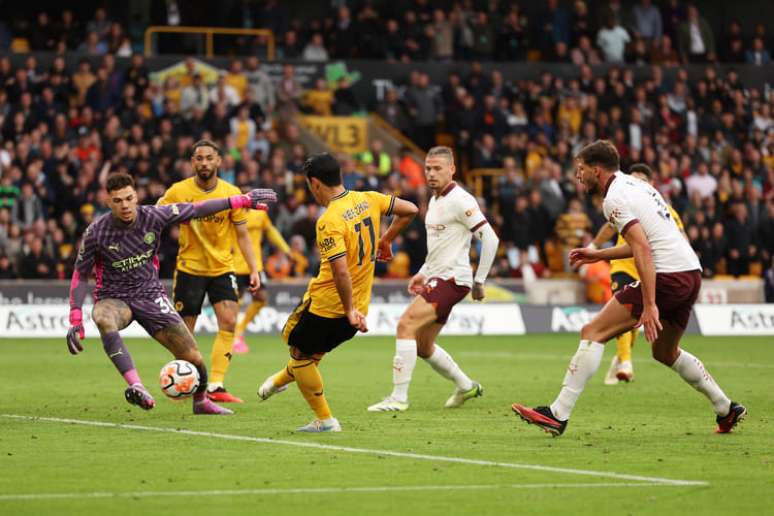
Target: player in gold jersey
x,y
257,226
205,263
622,273
335,304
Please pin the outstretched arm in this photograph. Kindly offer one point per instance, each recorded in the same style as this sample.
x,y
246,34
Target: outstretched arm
x,y
181,212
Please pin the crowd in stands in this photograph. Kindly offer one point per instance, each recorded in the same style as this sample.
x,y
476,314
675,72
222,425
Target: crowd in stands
x,y
710,142
580,32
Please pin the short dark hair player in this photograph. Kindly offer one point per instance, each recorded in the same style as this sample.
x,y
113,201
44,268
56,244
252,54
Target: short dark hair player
x,y
121,248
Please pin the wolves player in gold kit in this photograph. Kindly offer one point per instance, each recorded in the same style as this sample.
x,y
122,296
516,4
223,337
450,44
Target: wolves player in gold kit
x,y
205,263
335,304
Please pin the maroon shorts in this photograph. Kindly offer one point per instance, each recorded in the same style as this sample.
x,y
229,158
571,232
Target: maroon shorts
x,y
443,295
676,292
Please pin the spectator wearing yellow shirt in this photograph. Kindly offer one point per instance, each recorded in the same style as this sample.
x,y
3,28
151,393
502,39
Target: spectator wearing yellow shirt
x,y
320,99
571,228
242,128
570,112
236,78
298,256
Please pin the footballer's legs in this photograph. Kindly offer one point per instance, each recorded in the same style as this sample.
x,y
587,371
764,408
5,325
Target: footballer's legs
x,y
442,363
621,368
614,319
258,301
179,340
226,313
417,315
624,345
667,350
303,367
112,316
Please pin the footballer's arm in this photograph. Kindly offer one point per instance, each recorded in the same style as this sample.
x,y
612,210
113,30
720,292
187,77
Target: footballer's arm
x,y
489,243
643,260
605,234
404,212
243,239
343,282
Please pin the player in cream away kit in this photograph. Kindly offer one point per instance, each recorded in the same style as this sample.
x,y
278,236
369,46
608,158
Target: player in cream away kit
x,y
453,218
661,301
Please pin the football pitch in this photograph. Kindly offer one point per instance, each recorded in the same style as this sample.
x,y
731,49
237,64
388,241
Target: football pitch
x,y
70,444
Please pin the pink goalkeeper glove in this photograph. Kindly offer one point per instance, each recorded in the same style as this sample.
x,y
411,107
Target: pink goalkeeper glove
x,y
76,333
254,199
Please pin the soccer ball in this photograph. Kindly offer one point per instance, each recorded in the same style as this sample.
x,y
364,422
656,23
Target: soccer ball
x,y
179,379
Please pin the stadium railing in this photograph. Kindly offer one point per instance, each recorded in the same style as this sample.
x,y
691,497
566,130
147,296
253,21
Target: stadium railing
x,y
209,33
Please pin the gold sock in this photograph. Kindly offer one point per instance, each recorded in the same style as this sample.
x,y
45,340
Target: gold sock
x,y
221,356
250,313
310,384
624,346
283,377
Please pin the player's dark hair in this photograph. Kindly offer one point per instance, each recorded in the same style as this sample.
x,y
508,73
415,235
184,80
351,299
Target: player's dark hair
x,y
206,143
601,153
641,168
118,180
324,168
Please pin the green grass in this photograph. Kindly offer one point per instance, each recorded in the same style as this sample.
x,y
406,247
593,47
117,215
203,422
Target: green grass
x,y
657,426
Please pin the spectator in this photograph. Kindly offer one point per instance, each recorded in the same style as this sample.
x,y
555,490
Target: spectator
x,y
36,263
410,169
100,25
424,109
320,99
92,45
298,256
69,30
696,39
42,36
288,92
555,27
82,81
375,155
393,111
741,246
733,46
242,128
442,37
571,228
262,87
290,47
195,96
7,270
344,101
758,55
28,208
315,49
647,21
237,79
612,39
223,92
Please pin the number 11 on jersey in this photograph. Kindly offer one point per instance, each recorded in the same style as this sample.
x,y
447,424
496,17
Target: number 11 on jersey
x,y
359,228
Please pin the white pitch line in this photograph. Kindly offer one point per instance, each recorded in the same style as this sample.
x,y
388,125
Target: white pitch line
x,y
322,490
367,451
